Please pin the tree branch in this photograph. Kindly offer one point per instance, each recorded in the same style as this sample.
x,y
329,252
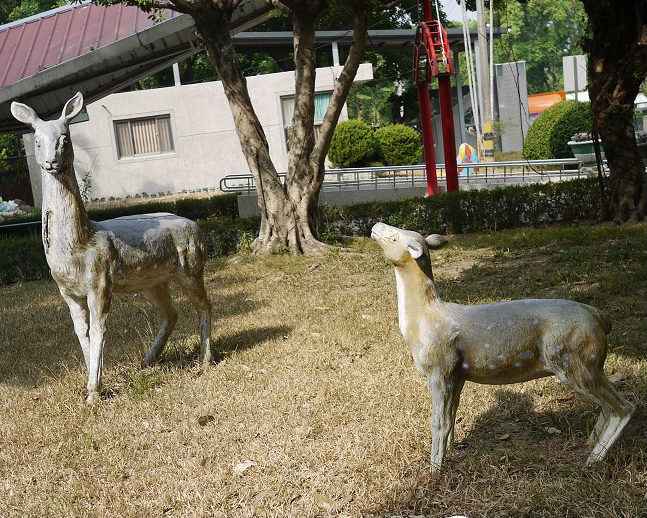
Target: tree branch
x,y
342,87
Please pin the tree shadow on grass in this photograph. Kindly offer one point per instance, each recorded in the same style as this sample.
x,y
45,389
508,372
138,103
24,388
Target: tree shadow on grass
x,y
509,464
42,344
224,346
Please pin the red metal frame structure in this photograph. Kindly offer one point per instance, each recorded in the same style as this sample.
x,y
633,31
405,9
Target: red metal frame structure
x,y
431,53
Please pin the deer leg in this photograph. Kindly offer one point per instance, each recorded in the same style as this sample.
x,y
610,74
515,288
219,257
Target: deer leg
x,y
619,412
615,410
456,396
99,304
160,297
81,319
194,289
441,390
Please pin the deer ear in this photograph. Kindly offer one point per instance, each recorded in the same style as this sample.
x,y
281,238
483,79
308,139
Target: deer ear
x,y
415,249
24,113
72,107
436,241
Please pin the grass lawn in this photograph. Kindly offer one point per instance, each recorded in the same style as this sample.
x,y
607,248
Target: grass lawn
x,y
316,387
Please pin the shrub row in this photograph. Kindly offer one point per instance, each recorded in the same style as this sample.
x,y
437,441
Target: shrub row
x,y
223,205
23,258
472,211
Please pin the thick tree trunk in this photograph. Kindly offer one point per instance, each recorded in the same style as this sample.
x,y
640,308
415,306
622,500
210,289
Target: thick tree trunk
x,y
289,216
306,166
277,225
617,65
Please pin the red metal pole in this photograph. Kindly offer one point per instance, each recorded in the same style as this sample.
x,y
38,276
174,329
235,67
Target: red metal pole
x,y
447,118
426,10
427,138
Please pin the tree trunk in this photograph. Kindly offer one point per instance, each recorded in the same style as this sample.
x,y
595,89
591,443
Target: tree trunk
x,y
306,167
617,65
277,225
289,215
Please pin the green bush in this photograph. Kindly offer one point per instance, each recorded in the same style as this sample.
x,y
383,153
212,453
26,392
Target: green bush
x,y
225,236
22,258
549,134
352,143
399,144
222,205
471,211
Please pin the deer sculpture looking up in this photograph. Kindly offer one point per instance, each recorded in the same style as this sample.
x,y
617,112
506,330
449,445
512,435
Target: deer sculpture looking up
x,y
92,260
496,344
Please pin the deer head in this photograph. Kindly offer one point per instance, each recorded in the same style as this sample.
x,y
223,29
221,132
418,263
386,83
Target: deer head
x,y
52,144
402,246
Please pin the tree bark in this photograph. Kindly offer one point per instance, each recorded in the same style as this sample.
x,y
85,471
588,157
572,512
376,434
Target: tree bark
x,y
277,227
617,66
306,166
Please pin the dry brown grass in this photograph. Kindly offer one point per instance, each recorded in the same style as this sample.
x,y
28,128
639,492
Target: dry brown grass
x,y
316,387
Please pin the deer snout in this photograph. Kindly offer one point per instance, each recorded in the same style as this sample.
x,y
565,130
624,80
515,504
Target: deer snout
x,y
377,230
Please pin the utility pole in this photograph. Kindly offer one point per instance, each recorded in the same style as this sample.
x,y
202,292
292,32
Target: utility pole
x,y
484,86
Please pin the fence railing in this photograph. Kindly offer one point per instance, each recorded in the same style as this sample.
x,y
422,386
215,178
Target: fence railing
x,y
510,172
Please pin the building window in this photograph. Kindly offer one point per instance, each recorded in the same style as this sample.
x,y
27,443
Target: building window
x,y
322,100
145,136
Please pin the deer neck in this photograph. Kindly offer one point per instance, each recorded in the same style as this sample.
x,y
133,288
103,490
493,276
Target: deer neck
x,y
416,290
66,224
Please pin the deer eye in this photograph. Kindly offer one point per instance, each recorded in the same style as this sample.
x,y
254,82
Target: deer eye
x,y
63,139
394,238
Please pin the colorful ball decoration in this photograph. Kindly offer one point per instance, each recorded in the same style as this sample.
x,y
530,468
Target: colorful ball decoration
x,y
467,155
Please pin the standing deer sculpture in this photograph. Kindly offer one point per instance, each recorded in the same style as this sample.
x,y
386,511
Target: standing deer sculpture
x,y
497,344
92,260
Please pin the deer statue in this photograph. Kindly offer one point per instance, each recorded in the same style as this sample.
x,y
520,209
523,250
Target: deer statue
x,y
92,260
497,344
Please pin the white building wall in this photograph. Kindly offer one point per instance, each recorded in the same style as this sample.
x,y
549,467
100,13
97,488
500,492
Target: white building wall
x,y
206,146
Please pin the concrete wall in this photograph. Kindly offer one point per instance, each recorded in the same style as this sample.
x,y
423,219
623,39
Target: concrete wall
x,y
512,89
206,147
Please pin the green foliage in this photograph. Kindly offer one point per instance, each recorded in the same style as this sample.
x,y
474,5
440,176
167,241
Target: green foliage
x,y
541,33
471,211
223,205
548,136
399,144
23,258
225,236
352,143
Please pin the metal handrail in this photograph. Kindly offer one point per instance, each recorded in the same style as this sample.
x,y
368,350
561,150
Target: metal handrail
x,y
514,171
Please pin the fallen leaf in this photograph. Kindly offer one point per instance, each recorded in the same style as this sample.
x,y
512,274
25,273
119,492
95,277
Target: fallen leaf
x,y
316,335
241,467
553,431
324,501
244,368
204,420
321,308
504,437
313,267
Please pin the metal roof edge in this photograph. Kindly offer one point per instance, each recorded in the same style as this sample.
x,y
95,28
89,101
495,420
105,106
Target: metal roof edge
x,y
67,68
44,14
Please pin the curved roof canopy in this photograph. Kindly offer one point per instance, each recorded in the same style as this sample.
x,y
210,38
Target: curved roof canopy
x,y
45,59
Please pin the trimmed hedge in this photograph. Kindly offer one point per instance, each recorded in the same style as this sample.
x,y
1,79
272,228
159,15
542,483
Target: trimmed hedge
x,y
472,211
23,258
222,205
353,142
549,134
399,144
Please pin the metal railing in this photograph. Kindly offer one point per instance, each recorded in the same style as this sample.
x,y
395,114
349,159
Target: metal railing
x,y
393,177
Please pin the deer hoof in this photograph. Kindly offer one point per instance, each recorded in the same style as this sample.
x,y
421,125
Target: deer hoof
x,y
93,398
